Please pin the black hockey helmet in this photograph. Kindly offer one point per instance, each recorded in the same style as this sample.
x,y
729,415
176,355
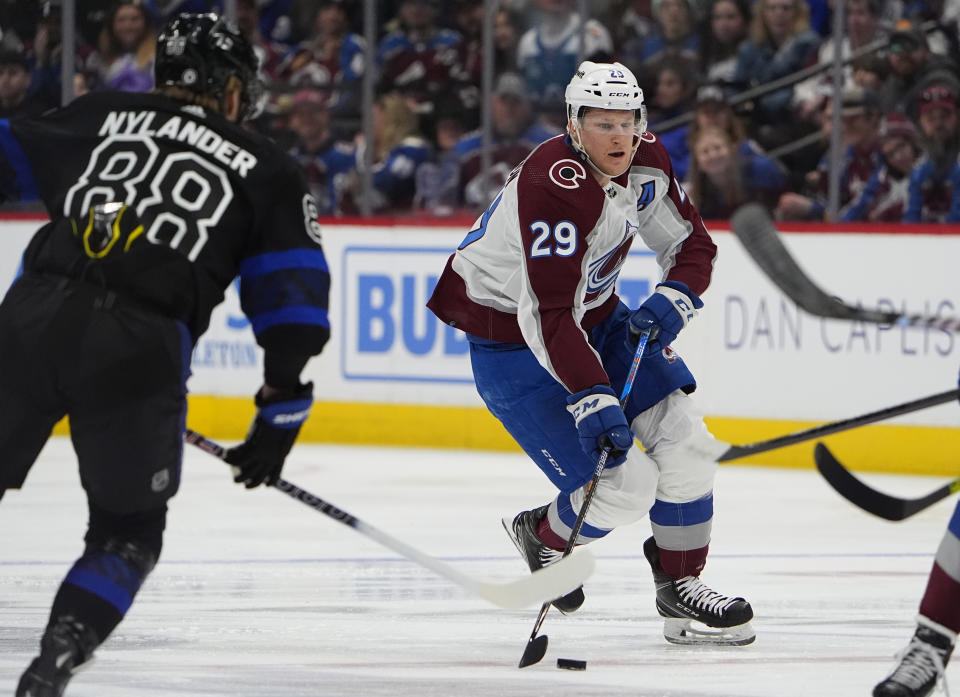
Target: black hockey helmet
x,y
200,52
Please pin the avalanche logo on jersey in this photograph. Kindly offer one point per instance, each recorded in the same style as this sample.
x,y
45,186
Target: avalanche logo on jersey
x,y
670,355
567,173
602,273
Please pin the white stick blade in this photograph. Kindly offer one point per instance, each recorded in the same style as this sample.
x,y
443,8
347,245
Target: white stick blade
x,y
543,585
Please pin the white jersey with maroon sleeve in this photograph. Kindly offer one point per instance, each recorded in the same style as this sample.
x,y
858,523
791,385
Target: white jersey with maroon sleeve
x,y
541,263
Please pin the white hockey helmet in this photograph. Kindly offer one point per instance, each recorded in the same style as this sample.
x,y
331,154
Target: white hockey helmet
x,y
604,86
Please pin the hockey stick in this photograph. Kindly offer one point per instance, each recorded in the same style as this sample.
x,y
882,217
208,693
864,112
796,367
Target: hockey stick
x,y
869,499
536,647
550,582
754,227
737,451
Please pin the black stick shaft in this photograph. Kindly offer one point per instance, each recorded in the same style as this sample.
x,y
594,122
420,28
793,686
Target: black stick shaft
x,y
577,526
873,501
527,658
737,451
290,489
754,227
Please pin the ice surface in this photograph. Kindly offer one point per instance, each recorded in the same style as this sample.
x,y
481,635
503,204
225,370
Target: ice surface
x,y
259,596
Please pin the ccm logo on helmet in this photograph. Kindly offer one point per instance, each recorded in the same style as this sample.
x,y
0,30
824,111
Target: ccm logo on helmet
x,y
619,94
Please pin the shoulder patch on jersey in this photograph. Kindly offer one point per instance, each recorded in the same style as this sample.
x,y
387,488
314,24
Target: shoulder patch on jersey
x,y
567,173
680,191
310,214
648,193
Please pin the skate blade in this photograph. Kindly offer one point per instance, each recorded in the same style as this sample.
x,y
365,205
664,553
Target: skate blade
x,y
508,528
691,633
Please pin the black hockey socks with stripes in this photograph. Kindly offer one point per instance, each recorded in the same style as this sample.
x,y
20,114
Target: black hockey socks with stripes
x,y
120,553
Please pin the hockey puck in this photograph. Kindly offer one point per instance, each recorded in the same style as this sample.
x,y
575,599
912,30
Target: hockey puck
x,y
571,664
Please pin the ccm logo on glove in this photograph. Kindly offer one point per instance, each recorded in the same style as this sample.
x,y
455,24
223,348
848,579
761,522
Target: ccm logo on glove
x,y
601,424
663,314
591,403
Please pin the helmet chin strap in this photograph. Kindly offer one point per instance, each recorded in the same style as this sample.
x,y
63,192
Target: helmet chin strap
x,y
576,138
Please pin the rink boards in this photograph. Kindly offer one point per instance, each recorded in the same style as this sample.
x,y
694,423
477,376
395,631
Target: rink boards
x,y
393,375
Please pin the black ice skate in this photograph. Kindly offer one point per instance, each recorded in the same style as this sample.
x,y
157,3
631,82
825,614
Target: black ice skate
x,y
66,646
695,614
921,664
523,532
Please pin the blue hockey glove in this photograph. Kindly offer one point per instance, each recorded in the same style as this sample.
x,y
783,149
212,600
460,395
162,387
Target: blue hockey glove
x,y
259,459
601,423
664,313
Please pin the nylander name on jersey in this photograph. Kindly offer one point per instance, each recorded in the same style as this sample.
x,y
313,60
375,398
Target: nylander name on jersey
x,y
214,201
182,129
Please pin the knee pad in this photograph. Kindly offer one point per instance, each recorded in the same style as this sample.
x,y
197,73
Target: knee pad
x,y
137,538
685,451
625,493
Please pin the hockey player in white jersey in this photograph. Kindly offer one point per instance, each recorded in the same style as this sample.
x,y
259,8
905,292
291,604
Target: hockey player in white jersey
x,y
532,285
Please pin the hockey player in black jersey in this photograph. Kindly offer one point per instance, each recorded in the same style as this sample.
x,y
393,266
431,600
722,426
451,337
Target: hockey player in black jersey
x,y
157,202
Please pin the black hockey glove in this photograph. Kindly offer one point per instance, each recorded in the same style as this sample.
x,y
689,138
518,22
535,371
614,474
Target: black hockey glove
x,y
259,459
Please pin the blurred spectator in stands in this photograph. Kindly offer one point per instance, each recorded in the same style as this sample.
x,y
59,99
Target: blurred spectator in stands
x,y
634,23
506,37
331,59
326,162
712,110
780,43
606,12
44,52
884,197
468,22
438,179
277,25
722,179
861,130
934,195
515,133
912,65
675,83
944,14
870,72
861,28
92,18
398,149
821,16
18,22
723,32
126,48
419,59
550,52
269,52
302,13
14,84
675,35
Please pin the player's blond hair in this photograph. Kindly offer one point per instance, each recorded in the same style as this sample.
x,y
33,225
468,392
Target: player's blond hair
x,y
207,101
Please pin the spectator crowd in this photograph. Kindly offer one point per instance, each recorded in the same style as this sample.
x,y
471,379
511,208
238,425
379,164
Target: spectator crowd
x,y
719,78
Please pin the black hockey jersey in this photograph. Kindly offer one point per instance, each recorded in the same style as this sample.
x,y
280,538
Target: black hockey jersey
x,y
205,201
